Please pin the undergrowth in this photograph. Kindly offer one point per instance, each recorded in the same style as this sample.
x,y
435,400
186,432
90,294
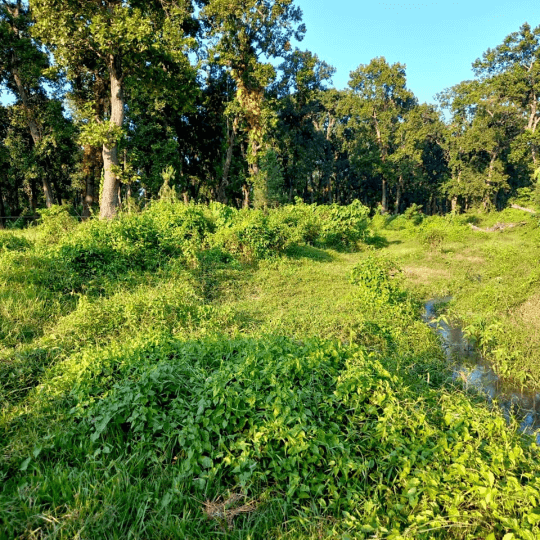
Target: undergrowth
x,y
169,361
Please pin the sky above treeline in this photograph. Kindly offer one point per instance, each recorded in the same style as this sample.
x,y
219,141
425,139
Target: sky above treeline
x,y
438,41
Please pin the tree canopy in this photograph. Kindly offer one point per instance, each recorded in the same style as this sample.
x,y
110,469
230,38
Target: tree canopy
x,y
110,94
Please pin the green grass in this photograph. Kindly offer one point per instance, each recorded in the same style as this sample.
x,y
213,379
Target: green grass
x,y
139,383
494,281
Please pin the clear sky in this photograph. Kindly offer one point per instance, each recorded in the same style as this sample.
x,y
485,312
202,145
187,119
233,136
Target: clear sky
x,y
438,41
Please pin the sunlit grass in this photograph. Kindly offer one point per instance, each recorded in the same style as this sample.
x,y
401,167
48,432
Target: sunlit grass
x,y
233,347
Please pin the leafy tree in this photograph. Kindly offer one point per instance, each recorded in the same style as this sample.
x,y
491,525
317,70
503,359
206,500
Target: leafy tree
x,y
247,33
299,135
22,67
383,100
418,157
138,43
483,132
510,74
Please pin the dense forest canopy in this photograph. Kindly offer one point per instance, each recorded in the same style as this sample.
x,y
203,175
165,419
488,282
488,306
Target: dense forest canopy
x,y
114,99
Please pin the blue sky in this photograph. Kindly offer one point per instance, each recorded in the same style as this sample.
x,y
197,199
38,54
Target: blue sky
x,y
437,41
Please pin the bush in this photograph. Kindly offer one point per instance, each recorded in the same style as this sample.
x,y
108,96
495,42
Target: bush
x,y
343,226
9,241
414,214
54,223
313,421
138,241
252,236
433,239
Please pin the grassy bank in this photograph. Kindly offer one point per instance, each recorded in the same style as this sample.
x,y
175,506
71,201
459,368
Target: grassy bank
x,y
492,277
195,372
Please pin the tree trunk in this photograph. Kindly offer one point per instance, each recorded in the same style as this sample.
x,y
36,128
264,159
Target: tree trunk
x,y
384,201
245,193
111,183
221,194
32,198
88,197
488,196
2,210
398,194
34,132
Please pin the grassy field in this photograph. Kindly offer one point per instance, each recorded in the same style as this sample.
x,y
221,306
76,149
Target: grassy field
x,y
194,372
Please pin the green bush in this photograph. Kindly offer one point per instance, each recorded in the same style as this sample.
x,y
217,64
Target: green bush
x,y
10,241
333,226
54,223
137,241
378,279
252,236
414,214
342,226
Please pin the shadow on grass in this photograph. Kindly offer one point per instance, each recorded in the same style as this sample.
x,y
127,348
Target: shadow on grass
x,y
309,252
378,242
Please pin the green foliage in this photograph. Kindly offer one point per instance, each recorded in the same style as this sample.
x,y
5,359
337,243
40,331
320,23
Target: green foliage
x,y
192,378
137,241
414,214
268,184
251,236
54,223
12,242
255,234
433,238
324,424
377,280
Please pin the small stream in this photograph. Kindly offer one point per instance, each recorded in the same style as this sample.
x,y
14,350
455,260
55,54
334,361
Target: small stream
x,y
475,372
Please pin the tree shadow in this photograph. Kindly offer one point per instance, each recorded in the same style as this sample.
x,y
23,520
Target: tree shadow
x,y
379,242
309,252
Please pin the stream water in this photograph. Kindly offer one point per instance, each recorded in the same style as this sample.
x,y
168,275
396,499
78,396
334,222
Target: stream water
x,y
475,372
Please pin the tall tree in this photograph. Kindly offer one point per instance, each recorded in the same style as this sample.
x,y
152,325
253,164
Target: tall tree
x,y
300,134
418,158
137,41
510,74
248,32
483,130
383,101
22,67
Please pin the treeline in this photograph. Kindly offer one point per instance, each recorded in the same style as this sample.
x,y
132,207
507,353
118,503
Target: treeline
x,y
114,100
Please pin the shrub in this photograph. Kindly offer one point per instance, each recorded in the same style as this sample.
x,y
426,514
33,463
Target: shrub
x,y
342,226
433,239
54,223
138,241
322,424
252,236
9,241
414,214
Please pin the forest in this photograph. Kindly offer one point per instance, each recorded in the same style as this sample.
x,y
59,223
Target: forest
x,y
111,99
238,303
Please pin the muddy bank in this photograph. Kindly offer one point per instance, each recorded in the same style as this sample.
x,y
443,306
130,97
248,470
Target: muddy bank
x,y
475,372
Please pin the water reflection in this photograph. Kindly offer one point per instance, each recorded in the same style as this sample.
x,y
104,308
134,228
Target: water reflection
x,y
476,373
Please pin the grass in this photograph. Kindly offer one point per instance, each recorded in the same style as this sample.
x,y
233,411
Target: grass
x,y
494,281
300,384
